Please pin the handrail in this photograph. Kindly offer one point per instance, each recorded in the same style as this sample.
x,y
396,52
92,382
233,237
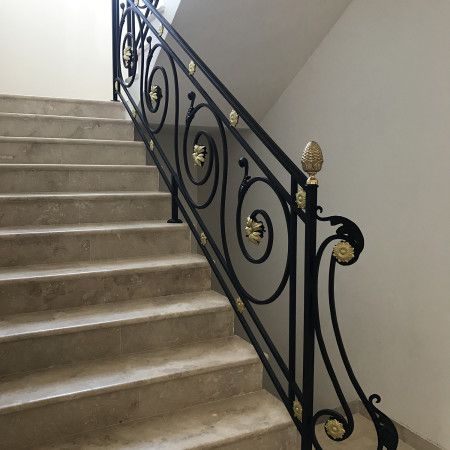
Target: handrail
x,y
197,158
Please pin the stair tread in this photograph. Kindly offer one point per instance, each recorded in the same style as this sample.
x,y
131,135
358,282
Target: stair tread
x,y
87,228
69,118
44,323
100,376
62,99
117,167
62,141
88,268
84,195
204,426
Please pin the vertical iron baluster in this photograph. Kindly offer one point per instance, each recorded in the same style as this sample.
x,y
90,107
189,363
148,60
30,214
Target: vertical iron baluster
x,y
174,192
292,258
114,30
310,292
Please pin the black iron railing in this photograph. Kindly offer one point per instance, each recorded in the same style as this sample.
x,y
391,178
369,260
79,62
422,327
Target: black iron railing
x,y
139,42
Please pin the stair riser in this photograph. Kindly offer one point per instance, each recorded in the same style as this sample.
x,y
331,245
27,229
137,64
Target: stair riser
x,y
63,127
63,211
68,291
51,422
42,352
15,179
282,439
66,153
54,248
56,107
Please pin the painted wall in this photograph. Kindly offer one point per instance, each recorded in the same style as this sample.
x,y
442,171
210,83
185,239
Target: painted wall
x,y
58,49
376,95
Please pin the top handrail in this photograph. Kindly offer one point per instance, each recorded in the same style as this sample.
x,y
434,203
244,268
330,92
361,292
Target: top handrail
x,y
269,143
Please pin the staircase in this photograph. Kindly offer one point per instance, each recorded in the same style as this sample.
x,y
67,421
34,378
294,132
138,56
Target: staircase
x,y
110,335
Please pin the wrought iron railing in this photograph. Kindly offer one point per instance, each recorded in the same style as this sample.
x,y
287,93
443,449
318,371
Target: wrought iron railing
x,y
140,35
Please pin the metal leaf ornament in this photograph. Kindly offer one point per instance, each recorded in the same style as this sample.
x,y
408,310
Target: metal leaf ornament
x,y
199,155
127,55
254,230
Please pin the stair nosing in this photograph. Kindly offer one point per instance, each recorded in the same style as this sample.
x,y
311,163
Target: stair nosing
x,y
66,141
80,167
62,100
82,195
114,386
89,228
66,270
66,118
147,317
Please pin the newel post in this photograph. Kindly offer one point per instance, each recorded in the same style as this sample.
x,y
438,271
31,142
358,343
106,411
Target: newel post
x,y
312,160
115,45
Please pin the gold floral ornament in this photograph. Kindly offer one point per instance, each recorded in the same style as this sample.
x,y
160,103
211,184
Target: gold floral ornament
x,y
300,198
312,160
343,252
161,30
127,55
203,239
240,305
334,429
192,68
155,93
151,145
199,155
254,230
234,118
298,410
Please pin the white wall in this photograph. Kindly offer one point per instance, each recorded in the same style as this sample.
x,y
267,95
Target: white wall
x,y
376,96
56,48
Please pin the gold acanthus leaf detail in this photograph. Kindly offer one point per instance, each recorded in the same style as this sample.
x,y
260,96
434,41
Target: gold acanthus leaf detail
x,y
298,410
254,230
151,145
234,118
192,68
240,305
127,55
161,30
343,252
334,429
300,198
154,93
203,239
199,155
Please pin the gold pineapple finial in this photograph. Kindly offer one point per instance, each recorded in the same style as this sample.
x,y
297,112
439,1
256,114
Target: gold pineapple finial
x,y
312,160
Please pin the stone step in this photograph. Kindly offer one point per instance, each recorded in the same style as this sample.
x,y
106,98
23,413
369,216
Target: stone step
x,y
254,421
43,406
45,287
23,246
39,340
32,150
16,178
82,207
61,106
40,125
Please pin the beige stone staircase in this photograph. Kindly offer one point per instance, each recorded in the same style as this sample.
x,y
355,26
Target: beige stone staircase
x,y
110,336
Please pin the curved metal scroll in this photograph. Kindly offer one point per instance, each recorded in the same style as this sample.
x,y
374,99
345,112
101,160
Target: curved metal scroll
x,y
199,158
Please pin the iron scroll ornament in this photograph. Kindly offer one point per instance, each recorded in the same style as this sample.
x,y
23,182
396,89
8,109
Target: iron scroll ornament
x,y
337,427
159,90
